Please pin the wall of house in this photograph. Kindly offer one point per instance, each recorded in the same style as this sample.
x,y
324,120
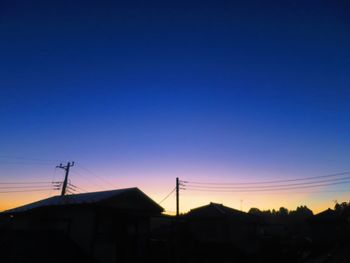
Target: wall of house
x,y
81,229
244,236
210,230
77,224
108,235
120,237
240,234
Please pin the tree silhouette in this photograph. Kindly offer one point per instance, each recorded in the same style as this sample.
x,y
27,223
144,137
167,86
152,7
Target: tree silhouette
x,y
301,212
283,212
255,211
341,206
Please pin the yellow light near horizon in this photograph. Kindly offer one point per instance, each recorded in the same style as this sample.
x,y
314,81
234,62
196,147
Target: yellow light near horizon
x,y
9,201
265,201
192,199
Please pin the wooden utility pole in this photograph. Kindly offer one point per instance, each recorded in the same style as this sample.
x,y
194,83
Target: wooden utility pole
x,y
65,182
177,223
177,196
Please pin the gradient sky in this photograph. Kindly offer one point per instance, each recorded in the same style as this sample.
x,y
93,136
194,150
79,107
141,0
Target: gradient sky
x,y
139,92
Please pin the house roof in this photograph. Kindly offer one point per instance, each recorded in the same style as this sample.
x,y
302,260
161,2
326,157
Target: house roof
x,y
326,213
216,211
122,198
325,216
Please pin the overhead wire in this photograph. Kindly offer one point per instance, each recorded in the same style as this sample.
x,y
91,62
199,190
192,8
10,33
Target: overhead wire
x,y
82,189
72,188
268,182
24,191
26,182
166,197
95,184
271,186
27,159
30,186
264,189
24,163
26,187
53,178
95,175
19,160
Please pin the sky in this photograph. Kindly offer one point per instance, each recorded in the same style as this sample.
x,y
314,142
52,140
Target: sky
x,y
138,93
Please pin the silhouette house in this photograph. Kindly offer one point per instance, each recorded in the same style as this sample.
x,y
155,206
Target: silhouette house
x,y
109,226
216,223
325,227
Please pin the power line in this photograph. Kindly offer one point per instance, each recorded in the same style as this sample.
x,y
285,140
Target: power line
x,y
53,178
313,191
24,187
269,182
96,175
192,188
27,159
71,190
82,189
19,160
26,191
71,185
20,183
166,197
94,184
86,176
272,186
24,163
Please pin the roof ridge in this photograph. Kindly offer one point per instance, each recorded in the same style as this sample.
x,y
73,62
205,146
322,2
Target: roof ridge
x,y
216,206
90,197
96,192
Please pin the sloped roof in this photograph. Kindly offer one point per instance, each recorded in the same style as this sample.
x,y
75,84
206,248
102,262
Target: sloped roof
x,y
326,215
84,198
216,211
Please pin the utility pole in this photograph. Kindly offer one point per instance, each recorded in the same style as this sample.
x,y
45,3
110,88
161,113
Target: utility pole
x,y
66,168
177,196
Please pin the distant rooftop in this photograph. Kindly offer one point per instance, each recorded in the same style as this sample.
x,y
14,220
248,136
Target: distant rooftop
x,y
80,199
215,210
326,215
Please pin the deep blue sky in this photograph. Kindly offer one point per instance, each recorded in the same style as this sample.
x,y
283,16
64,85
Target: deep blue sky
x,y
254,88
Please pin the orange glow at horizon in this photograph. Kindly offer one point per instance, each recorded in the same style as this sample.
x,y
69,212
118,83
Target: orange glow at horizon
x,y
190,201
156,185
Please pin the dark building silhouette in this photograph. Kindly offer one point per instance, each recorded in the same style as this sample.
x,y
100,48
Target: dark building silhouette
x,y
125,225
216,223
108,226
325,227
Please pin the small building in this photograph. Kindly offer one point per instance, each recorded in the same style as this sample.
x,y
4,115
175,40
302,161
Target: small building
x,y
216,223
325,227
109,226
